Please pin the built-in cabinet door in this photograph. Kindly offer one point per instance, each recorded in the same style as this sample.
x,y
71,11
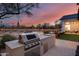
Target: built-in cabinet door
x,y
45,47
51,42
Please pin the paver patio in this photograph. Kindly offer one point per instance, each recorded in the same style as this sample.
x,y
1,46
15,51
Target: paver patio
x,y
63,48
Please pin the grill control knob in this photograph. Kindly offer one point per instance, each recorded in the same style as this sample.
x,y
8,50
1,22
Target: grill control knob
x,y
30,45
36,42
27,46
33,43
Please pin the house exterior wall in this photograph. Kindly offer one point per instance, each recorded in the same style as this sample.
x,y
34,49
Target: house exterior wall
x,y
62,26
72,24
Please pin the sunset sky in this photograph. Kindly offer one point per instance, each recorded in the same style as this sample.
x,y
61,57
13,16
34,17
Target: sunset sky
x,y
46,13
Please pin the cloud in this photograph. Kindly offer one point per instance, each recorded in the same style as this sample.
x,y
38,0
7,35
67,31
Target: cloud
x,y
48,13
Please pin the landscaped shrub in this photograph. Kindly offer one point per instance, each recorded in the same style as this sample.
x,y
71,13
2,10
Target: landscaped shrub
x,y
62,33
6,38
46,32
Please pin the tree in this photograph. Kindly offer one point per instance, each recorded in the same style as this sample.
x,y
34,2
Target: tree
x,y
39,26
51,27
18,24
33,27
7,9
46,26
16,8
58,24
1,24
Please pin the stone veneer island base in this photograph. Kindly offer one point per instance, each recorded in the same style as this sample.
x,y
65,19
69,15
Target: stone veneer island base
x,y
14,48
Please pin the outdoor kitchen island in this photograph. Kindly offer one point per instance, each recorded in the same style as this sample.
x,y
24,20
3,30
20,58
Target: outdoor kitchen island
x,y
47,42
32,44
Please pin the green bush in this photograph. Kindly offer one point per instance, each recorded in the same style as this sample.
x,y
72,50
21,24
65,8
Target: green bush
x,y
6,38
46,32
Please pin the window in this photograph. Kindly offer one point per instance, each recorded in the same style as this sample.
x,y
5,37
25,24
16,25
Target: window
x,y
31,36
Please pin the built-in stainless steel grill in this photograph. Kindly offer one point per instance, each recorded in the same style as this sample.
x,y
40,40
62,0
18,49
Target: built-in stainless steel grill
x,y
31,42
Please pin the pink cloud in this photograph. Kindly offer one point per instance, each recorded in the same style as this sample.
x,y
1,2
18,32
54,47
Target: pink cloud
x,y
48,13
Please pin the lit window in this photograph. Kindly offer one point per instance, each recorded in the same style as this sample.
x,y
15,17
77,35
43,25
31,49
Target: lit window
x,y
67,23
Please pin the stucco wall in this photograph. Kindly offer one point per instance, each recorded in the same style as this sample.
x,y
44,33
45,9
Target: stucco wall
x,y
73,24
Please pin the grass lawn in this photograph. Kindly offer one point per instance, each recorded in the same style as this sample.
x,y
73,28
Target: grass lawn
x,y
0,38
70,37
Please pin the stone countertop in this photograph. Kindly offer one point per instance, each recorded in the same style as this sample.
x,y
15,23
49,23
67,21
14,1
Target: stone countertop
x,y
13,44
42,37
46,36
